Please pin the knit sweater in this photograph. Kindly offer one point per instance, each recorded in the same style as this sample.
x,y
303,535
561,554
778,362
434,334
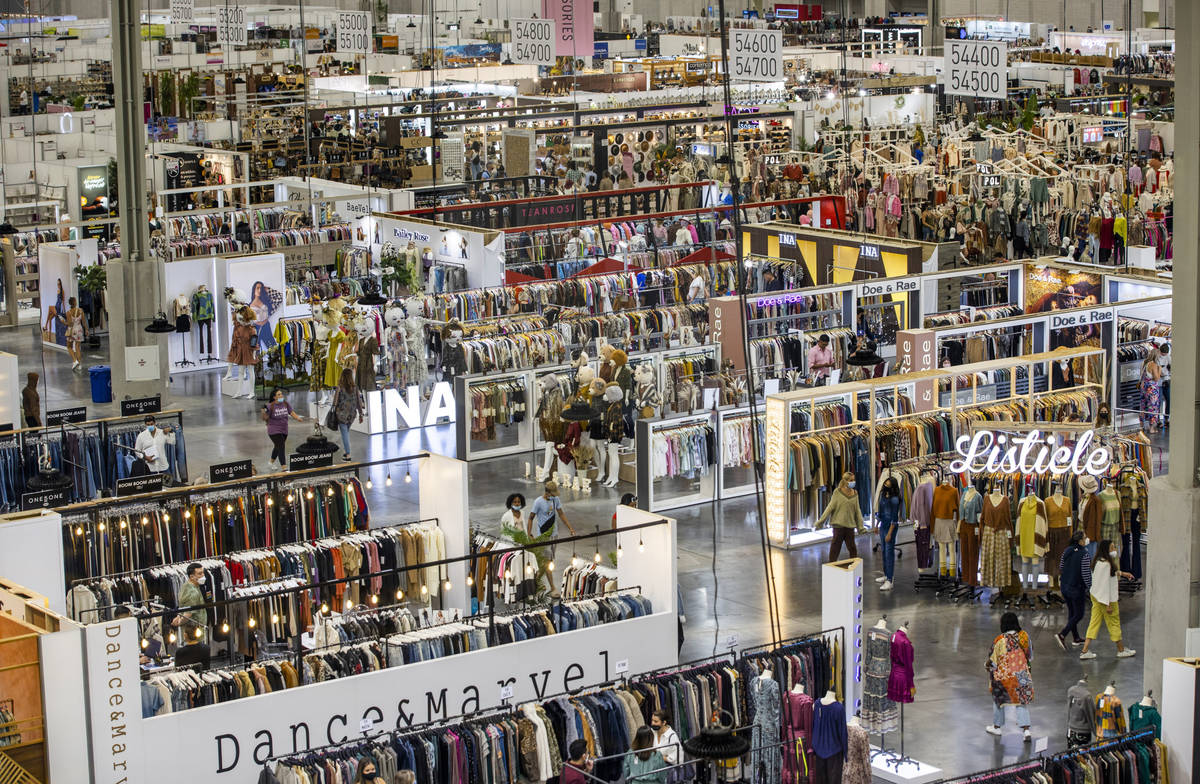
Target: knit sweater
x,y
842,511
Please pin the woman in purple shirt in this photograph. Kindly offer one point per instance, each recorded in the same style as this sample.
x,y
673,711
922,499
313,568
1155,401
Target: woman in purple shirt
x,y
275,414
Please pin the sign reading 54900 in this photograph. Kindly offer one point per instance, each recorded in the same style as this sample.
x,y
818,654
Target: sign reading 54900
x,y
757,55
231,25
976,68
533,41
353,32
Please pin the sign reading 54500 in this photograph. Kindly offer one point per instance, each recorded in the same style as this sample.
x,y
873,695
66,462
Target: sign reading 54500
x,y
757,55
976,68
353,32
533,41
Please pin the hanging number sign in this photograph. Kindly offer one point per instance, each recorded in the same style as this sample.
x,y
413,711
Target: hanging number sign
x,y
978,69
183,11
231,25
533,41
353,32
757,55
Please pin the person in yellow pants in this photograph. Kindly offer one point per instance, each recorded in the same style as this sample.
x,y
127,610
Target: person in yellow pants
x,y
1105,582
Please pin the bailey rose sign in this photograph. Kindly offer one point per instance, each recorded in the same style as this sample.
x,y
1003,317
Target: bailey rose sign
x,y
1029,454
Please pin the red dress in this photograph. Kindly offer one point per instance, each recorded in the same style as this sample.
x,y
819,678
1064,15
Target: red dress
x,y
900,682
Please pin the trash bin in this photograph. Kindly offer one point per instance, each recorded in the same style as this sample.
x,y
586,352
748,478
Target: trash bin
x,y
101,376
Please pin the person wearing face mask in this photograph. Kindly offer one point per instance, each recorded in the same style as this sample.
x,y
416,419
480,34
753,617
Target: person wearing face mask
x,y
845,516
1075,580
514,505
276,414
1105,581
152,444
369,773
192,625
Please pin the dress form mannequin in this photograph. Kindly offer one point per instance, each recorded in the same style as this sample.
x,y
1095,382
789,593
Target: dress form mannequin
x,y
922,515
1080,722
614,431
1058,534
1031,540
829,698
945,524
970,506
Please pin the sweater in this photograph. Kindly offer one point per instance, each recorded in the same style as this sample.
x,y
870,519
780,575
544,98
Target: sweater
x,y
829,729
945,502
1079,708
842,511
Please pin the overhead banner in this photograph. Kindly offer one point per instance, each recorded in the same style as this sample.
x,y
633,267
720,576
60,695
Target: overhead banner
x,y
573,25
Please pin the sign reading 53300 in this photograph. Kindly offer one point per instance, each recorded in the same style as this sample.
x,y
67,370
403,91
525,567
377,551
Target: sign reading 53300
x,y
757,55
976,68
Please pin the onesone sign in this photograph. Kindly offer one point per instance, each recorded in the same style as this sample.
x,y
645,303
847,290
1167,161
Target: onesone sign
x,y
1031,453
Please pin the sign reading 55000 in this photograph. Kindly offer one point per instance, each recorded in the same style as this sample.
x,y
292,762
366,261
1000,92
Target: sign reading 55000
x,y
976,68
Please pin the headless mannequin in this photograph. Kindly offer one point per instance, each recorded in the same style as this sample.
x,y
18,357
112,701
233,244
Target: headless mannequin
x,y
1058,498
881,624
829,698
1148,702
798,688
946,549
1109,690
1030,565
854,722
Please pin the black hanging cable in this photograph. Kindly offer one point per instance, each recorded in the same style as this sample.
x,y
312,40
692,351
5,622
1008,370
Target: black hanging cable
x,y
741,278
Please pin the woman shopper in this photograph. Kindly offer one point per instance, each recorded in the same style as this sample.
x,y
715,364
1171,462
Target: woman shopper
x,y
513,516
888,512
844,515
1105,582
76,322
347,403
644,764
276,413
1008,670
1150,385
1075,580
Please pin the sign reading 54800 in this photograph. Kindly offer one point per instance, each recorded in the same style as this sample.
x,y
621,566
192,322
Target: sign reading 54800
x,y
976,68
757,55
353,32
533,41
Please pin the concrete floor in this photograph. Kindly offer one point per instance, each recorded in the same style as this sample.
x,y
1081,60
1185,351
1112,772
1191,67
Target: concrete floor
x,y
944,727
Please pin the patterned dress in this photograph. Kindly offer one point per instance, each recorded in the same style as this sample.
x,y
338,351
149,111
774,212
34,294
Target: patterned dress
x,y
879,714
857,767
766,763
995,543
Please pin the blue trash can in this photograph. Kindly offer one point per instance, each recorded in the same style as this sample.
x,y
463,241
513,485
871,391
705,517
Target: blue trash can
x,y
101,376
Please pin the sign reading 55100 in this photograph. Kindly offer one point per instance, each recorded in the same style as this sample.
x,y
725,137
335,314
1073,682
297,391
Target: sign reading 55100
x,y
353,32
533,41
976,68
757,55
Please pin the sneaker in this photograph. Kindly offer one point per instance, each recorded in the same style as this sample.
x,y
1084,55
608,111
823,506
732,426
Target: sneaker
x,y
1076,643
1125,654
346,457
886,585
883,579
1028,736
992,729
1061,642
1088,655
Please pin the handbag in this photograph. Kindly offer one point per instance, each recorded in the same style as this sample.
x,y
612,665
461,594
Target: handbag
x,y
331,420
548,525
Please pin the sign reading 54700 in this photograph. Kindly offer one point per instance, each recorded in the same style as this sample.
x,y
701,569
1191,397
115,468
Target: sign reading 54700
x,y
976,68
757,55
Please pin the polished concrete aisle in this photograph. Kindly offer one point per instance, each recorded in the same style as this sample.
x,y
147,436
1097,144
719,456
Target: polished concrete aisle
x,y
722,586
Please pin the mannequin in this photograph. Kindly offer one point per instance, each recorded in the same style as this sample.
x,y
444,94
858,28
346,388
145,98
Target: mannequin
x,y
454,356
241,351
395,346
944,512
1031,539
576,415
970,506
368,349
236,298
1110,519
1091,511
589,389
648,398
1144,714
1109,716
203,312
614,432
901,687
767,725
416,368
549,416
1079,714
798,721
879,714
995,535
181,310
922,509
1058,531
857,768
828,739
316,379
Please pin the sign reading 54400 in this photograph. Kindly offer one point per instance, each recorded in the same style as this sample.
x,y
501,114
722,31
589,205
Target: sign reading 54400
x,y
533,41
976,68
757,55
231,25
353,32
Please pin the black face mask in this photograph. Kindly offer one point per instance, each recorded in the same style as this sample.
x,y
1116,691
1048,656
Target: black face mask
x,y
369,773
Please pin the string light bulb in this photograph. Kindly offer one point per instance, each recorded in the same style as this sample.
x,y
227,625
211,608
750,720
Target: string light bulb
x,y
446,585
407,476
550,566
199,633
101,526
122,525
399,594
324,608
145,520
309,495
596,557
369,483
225,628
620,551
574,561
349,605
274,617
171,637
228,508
252,623
528,568
290,497
424,589
641,544
388,480
208,510
329,492
270,501
145,643
79,530
470,580
374,598
187,514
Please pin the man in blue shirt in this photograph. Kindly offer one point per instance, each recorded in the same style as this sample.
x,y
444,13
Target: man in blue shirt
x,y
546,512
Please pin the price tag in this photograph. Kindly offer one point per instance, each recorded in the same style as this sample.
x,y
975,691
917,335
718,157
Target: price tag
x,y
621,666
353,32
533,41
183,11
731,641
365,725
976,68
757,55
506,693
231,25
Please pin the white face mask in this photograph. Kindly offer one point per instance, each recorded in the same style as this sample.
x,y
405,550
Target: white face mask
x,y
202,580
1085,542
1112,553
851,484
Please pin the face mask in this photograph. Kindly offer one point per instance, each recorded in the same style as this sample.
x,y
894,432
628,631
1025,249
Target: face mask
x,y
851,484
368,773
202,580
516,507
1113,553
150,428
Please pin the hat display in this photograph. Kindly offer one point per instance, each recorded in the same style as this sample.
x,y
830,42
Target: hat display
x,y
579,411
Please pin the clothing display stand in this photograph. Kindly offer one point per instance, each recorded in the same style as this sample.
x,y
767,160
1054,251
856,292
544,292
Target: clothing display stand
x,y
185,362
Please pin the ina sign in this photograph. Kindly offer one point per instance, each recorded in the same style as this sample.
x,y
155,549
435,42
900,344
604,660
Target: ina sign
x,y
1029,454
388,410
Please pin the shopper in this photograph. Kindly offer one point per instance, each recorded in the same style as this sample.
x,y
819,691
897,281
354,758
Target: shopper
x,y
347,403
1011,679
151,444
843,514
513,515
369,773
888,514
406,777
192,624
1164,364
1150,385
546,512
31,401
76,322
1075,581
276,414
1105,582
666,740
577,764
820,358
628,499
643,763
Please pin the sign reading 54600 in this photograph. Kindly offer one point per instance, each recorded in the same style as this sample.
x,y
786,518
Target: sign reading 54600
x,y
757,55
353,32
231,25
976,68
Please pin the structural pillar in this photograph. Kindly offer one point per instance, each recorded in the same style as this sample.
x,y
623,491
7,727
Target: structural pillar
x,y
135,290
1172,566
935,33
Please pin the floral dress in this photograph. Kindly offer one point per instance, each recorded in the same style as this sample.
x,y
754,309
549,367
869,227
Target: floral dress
x,y
1011,680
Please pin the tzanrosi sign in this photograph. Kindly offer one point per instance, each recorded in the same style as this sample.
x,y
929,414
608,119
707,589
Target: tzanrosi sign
x,y
1029,454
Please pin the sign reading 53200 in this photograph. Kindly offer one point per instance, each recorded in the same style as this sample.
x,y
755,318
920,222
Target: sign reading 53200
x,y
976,68
231,25
533,41
353,32
757,55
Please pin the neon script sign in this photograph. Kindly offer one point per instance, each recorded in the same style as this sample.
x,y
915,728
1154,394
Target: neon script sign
x,y
1029,454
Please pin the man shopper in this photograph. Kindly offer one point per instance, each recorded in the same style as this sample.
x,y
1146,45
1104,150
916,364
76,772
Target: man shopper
x,y
546,512
192,624
152,443
1075,580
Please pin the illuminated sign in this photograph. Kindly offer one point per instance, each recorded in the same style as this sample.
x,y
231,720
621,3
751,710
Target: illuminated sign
x,y
1029,454
1093,133
387,410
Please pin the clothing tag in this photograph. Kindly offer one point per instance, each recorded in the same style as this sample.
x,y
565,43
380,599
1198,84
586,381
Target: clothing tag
x,y
1040,744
